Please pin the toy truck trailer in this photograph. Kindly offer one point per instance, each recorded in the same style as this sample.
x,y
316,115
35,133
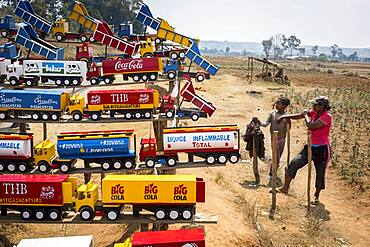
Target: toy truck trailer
x,y
172,66
8,51
62,73
7,26
72,241
138,104
171,238
111,149
213,143
193,54
147,50
167,196
37,196
3,69
28,38
60,31
137,68
40,104
25,11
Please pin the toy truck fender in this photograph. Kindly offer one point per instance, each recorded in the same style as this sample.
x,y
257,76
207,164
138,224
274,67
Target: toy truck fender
x,y
34,100
37,190
15,146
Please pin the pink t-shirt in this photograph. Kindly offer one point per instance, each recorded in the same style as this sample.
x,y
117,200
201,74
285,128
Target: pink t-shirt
x,y
320,136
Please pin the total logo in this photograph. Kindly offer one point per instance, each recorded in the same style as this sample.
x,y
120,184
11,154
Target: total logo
x,y
150,192
118,192
180,193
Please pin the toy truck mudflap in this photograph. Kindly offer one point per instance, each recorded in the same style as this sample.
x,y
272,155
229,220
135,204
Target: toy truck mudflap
x,y
193,54
27,37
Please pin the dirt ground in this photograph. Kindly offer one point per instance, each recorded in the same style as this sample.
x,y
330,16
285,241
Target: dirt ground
x,y
342,218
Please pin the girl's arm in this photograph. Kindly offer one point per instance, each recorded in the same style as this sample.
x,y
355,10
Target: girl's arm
x,y
292,116
313,125
267,122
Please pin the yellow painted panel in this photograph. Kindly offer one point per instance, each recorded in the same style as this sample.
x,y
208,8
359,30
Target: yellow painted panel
x,y
149,189
67,188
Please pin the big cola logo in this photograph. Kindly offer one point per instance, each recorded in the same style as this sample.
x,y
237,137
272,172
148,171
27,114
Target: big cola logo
x,y
136,64
180,193
118,192
150,192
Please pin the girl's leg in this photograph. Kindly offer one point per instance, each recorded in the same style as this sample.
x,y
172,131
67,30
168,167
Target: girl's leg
x,y
320,157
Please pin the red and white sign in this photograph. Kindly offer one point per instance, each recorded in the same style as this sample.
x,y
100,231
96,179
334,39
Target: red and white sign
x,y
105,97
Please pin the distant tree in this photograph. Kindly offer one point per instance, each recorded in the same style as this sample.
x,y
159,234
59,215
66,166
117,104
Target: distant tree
x,y
278,52
244,53
334,51
227,50
353,57
267,45
293,43
314,49
302,51
323,57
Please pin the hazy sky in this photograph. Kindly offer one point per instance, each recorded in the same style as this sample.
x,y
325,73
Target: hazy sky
x,y
315,22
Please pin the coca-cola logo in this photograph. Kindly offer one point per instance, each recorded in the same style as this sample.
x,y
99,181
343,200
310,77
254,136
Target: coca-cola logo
x,y
136,64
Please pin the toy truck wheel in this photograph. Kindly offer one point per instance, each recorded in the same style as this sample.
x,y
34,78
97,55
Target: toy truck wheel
x,y
194,117
54,214
153,77
200,78
150,162
67,82
29,82
94,81
43,166
2,166
182,55
171,75
83,38
11,167
137,115
171,161
129,164
144,77
234,158
210,159
117,164
128,115
65,167
2,115
136,78
91,39
160,213
148,115
157,40
148,55
222,159
112,214
106,165
187,214
169,114
13,81
174,214
86,213
26,214
108,80
4,33
77,116
58,82
95,116
59,36
76,82
54,116
35,116
174,56
40,214
45,116
22,167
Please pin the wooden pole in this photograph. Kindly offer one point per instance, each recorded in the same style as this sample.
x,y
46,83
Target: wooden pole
x,y
273,169
44,130
252,64
309,171
255,161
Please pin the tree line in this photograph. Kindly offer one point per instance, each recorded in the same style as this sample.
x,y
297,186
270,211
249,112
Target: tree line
x,y
114,12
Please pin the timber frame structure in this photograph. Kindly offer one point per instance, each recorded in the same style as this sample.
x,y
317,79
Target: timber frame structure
x,y
271,71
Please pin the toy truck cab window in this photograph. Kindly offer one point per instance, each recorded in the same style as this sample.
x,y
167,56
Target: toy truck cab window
x,y
81,196
89,195
2,21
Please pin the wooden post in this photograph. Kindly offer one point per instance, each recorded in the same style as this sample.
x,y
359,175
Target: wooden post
x,y
273,170
309,144
22,127
288,143
252,62
45,131
255,161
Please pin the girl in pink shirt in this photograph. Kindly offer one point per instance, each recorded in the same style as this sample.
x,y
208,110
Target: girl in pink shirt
x,y
318,121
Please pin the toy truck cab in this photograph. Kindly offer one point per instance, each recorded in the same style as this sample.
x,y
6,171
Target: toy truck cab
x,y
86,201
44,155
168,106
76,107
59,29
7,26
84,52
146,48
148,151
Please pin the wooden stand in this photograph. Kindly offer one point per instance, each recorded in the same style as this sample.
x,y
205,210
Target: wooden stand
x,y
255,161
309,150
288,143
274,169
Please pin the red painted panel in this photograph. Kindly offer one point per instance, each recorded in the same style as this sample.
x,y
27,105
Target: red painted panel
x,y
102,97
31,189
172,238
